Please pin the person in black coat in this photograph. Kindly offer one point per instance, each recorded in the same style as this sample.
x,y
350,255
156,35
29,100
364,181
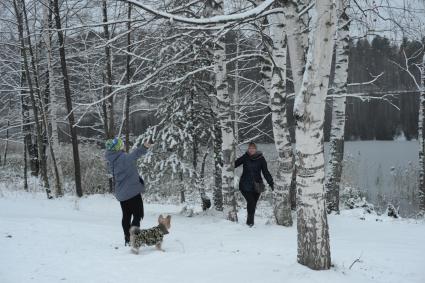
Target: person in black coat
x,y
253,163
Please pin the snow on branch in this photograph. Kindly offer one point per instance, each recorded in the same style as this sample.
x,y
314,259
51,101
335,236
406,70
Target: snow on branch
x,y
408,64
375,78
252,13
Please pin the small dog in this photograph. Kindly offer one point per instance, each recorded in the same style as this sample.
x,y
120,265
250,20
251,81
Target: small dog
x,y
150,237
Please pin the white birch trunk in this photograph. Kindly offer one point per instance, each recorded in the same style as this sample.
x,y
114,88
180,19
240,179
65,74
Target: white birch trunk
x,y
282,139
226,123
236,96
54,108
312,225
297,37
266,67
421,137
336,142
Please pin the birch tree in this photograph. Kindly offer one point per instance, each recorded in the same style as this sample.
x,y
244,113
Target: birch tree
x,y
339,91
225,118
309,107
54,108
296,22
282,139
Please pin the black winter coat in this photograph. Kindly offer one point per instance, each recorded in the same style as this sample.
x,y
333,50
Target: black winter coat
x,y
252,168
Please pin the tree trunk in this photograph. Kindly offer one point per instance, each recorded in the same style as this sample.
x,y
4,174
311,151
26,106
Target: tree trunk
x,y
25,127
128,77
108,73
25,167
236,94
336,142
54,107
182,188
7,143
297,36
226,123
200,181
282,138
6,146
309,110
218,163
68,100
421,138
19,11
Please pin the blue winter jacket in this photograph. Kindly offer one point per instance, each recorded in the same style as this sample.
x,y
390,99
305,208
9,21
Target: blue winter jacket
x,y
123,168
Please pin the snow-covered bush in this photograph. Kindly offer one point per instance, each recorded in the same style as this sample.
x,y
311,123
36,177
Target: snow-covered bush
x,y
354,198
392,211
12,172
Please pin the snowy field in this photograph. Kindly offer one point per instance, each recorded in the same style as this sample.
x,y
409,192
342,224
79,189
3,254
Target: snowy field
x,y
70,240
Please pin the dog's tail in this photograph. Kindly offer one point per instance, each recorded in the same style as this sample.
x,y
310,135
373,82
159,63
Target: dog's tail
x,y
134,230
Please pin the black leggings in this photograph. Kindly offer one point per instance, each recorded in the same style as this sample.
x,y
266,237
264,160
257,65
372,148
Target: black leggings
x,y
251,203
131,207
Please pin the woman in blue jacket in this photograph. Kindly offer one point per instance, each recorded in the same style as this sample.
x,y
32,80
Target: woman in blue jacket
x,y
254,164
128,185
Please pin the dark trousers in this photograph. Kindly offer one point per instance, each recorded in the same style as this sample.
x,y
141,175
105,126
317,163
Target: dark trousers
x,y
131,207
251,203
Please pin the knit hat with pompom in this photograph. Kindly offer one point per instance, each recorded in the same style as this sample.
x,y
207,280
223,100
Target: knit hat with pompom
x,y
115,144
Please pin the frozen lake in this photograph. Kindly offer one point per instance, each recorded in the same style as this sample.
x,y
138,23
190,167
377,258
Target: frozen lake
x,y
386,171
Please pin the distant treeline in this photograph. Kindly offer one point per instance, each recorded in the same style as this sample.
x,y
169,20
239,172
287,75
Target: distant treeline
x,y
382,118
370,118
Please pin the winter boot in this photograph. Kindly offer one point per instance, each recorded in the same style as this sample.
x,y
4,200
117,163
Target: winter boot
x,y
250,220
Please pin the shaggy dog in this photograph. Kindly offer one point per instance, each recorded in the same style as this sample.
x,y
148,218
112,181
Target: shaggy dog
x,y
150,237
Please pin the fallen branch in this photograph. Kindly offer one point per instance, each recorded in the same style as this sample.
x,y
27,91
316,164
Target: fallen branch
x,y
356,260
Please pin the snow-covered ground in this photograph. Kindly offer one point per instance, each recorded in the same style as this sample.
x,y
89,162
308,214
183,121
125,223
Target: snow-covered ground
x,y
70,240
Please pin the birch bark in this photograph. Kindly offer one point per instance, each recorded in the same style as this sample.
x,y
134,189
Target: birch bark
x,y
312,225
336,142
282,139
421,138
225,119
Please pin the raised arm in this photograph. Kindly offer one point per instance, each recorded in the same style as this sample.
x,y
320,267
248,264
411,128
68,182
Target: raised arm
x,y
137,152
266,173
